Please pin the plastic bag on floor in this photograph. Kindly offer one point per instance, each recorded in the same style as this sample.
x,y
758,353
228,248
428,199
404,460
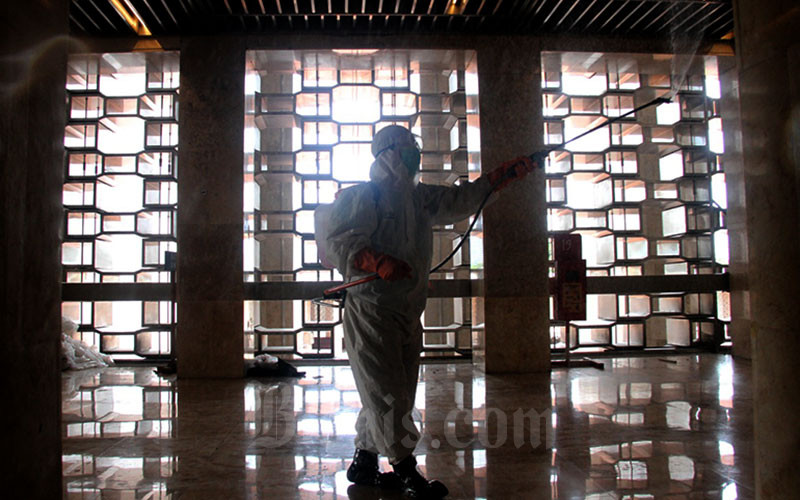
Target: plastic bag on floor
x,y
75,355
265,365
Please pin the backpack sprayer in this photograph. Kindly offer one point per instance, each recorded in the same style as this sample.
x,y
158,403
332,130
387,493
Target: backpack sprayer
x,y
337,293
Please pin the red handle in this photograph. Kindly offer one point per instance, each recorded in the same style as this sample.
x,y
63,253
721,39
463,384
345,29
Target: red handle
x,y
339,288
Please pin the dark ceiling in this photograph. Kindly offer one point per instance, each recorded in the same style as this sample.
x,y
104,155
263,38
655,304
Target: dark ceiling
x,y
713,19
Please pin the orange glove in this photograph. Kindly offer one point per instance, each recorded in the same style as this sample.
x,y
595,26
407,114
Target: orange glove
x,y
510,171
387,267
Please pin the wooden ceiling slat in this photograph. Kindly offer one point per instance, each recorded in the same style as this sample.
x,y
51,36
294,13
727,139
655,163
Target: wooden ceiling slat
x,y
612,16
666,8
147,16
530,18
553,11
566,14
615,17
497,6
74,20
77,5
539,7
725,28
706,16
643,17
515,9
633,11
166,8
191,10
585,11
106,18
517,15
689,17
529,5
596,16
675,15
722,24
182,3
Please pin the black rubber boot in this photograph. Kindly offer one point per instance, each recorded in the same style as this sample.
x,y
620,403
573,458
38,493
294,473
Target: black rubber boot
x,y
364,471
414,484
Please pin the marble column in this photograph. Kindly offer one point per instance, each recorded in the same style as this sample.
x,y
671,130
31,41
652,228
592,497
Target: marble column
x,y
768,55
210,335
515,228
33,62
517,436
210,440
736,216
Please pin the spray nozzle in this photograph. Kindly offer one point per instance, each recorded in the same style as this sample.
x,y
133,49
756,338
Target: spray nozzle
x,y
668,97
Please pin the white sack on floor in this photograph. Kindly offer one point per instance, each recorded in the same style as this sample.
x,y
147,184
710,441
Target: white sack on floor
x,y
266,361
76,355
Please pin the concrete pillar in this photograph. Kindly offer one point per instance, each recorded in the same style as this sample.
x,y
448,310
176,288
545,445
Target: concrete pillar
x,y
210,183
515,225
518,436
212,412
33,61
768,55
737,208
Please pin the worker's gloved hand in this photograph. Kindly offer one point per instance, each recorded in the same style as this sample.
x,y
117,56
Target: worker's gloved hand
x,y
387,267
510,171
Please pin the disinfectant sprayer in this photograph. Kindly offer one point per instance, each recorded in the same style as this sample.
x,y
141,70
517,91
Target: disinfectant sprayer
x,y
336,294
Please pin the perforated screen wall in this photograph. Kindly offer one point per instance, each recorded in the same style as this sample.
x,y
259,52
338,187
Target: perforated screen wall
x,y
120,194
647,193
311,118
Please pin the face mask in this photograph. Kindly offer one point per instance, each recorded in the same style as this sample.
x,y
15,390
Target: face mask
x,y
411,157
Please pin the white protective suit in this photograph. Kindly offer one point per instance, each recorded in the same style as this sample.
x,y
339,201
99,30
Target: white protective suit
x,y
382,327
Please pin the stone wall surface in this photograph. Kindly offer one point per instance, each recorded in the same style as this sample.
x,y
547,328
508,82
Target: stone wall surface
x,y
210,343
768,57
515,226
32,117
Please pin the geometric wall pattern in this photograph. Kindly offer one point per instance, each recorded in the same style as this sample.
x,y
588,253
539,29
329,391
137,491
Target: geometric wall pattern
x,y
646,193
311,116
120,194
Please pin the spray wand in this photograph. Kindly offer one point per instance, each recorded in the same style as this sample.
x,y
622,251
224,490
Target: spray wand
x,y
538,157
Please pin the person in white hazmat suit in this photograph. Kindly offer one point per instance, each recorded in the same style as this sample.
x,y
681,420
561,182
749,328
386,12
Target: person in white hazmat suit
x,y
385,227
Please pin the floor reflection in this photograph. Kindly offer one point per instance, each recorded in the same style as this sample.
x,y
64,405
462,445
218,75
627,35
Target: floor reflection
x,y
678,427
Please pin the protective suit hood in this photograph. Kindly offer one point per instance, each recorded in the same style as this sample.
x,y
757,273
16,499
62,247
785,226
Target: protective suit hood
x,y
388,171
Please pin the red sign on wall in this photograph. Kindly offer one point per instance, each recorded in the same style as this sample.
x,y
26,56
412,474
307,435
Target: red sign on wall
x,y
570,301
570,290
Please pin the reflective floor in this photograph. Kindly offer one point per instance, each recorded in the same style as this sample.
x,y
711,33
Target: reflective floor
x,y
674,427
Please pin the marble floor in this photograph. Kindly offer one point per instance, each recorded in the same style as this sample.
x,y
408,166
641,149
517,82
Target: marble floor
x,y
645,427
